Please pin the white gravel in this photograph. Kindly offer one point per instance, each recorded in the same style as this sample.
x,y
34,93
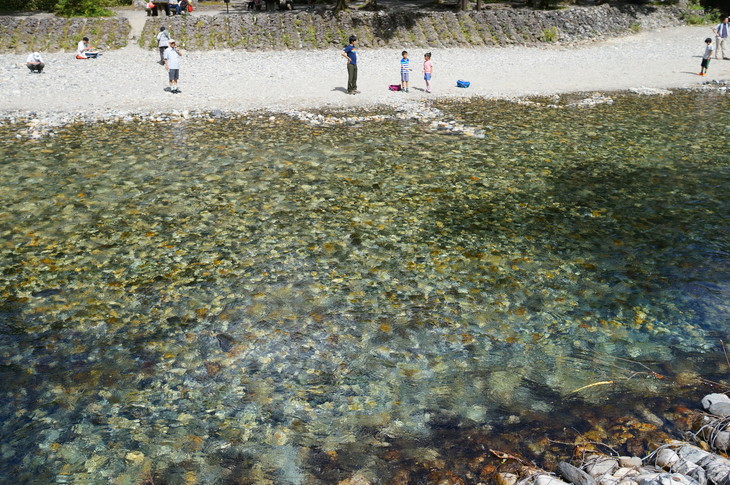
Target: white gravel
x,y
131,81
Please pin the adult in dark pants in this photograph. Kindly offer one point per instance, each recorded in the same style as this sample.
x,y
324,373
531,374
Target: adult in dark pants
x,y
163,41
350,53
35,62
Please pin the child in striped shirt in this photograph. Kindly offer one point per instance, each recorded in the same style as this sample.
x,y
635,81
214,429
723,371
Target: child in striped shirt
x,y
405,69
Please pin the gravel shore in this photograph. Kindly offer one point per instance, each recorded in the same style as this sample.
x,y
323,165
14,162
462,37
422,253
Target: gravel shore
x,y
131,80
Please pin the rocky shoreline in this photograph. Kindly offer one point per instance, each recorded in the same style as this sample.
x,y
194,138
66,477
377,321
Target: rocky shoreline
x,y
675,463
36,125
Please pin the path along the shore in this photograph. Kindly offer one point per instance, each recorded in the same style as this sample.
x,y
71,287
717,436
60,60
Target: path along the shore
x,y
131,80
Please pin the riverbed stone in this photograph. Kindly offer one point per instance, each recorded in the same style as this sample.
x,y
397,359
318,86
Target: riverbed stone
x,y
721,441
356,479
666,458
720,408
630,462
665,479
625,473
600,466
548,480
506,479
575,475
716,469
715,398
693,454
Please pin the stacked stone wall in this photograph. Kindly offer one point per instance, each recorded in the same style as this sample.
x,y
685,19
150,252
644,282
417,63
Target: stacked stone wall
x,y
53,34
324,30
405,29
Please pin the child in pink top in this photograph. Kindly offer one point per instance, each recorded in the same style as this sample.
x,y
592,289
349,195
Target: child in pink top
x,y
427,70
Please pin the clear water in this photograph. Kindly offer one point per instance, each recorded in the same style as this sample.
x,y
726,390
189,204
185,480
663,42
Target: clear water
x,y
259,300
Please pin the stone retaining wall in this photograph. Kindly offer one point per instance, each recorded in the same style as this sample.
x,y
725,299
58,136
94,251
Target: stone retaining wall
x,y
406,29
323,29
51,34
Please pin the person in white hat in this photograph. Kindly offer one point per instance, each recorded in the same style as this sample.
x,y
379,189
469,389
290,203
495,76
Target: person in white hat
x,y
35,62
172,64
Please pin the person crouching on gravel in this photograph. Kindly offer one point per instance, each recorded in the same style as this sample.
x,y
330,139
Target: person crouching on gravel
x,y
35,62
706,57
172,64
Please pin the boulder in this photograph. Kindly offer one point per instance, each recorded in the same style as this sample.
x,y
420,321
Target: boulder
x,y
630,462
664,479
548,480
711,399
719,408
506,478
574,475
666,458
693,454
601,465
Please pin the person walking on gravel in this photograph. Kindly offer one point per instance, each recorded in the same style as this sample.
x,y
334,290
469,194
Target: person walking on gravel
x,y
722,32
163,41
350,53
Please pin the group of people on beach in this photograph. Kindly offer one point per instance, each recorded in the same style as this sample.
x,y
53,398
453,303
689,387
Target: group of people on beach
x,y
170,55
350,53
35,63
722,33
171,7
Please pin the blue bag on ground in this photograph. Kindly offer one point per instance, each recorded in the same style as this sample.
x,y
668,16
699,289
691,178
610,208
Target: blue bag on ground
x,y
462,84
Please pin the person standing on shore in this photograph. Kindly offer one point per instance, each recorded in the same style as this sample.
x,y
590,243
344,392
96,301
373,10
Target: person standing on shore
x,y
427,70
350,53
35,62
722,32
706,57
405,71
172,64
163,41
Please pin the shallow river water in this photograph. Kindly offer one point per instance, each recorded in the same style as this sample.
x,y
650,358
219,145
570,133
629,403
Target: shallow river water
x,y
263,300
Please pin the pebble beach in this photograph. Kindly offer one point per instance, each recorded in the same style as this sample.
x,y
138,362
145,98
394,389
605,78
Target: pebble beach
x,y
131,80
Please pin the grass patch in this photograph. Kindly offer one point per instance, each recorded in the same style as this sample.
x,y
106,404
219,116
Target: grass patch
x,y
549,35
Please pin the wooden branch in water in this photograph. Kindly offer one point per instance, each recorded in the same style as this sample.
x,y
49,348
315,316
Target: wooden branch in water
x,y
601,383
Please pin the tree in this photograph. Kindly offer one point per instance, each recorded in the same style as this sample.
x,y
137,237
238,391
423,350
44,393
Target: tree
x,y
341,5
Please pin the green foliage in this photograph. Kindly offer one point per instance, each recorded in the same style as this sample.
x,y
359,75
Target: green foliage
x,y
26,5
83,8
700,16
549,35
697,14
695,5
635,27
74,7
